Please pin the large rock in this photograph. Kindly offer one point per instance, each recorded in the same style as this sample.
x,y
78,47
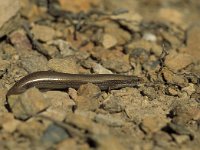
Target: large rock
x,y
9,16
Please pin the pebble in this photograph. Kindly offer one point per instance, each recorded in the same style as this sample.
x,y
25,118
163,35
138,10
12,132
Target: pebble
x,y
112,104
88,90
111,60
181,139
162,139
109,41
176,16
99,69
131,20
59,105
43,33
8,123
65,48
31,129
9,51
149,37
172,91
20,41
4,64
174,41
54,134
107,142
88,97
193,39
72,93
27,104
9,9
65,65
3,92
182,114
146,45
51,50
67,144
190,89
86,124
174,78
77,6
119,34
183,60
109,120
180,129
33,62
152,124
118,66
150,92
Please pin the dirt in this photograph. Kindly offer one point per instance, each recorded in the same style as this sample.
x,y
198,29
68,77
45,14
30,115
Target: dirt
x,y
157,41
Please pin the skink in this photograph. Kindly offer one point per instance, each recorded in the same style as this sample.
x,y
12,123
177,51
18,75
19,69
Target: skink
x,y
59,81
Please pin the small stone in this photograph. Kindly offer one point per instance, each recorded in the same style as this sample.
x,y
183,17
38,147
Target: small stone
x,y
182,114
51,50
88,97
33,62
149,37
67,65
8,122
72,93
99,69
176,16
3,92
9,9
27,104
180,129
54,134
88,114
162,139
120,35
31,11
117,65
88,90
77,6
112,104
111,60
86,124
59,105
189,89
150,92
152,124
43,33
108,41
32,129
9,51
146,45
107,142
131,20
4,64
173,40
180,139
174,78
183,60
109,120
64,47
67,144
193,40
20,41
172,91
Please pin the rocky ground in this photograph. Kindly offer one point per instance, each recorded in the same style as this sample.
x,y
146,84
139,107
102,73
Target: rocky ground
x,y
158,41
